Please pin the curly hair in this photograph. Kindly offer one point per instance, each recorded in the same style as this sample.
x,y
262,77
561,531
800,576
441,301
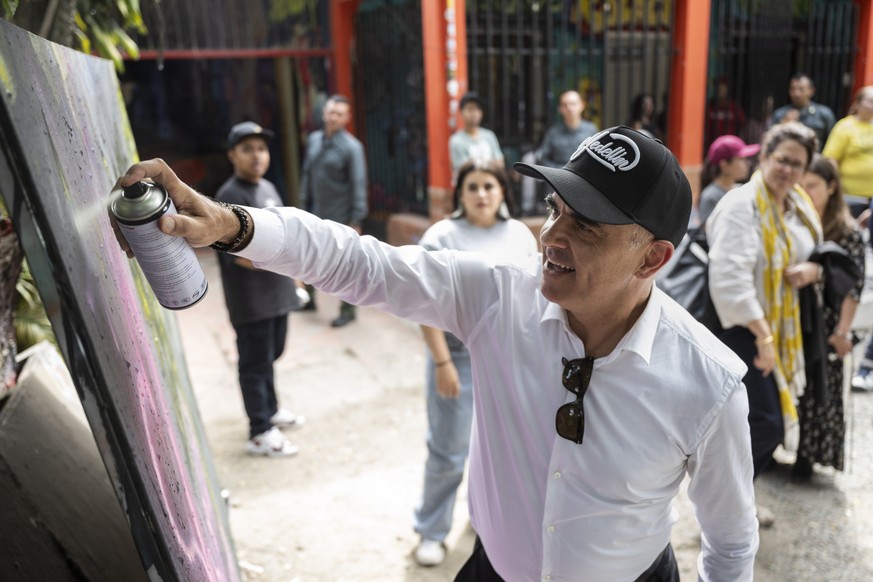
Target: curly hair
x,y
791,131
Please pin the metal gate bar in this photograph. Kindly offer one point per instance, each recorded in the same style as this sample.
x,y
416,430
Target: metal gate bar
x,y
523,58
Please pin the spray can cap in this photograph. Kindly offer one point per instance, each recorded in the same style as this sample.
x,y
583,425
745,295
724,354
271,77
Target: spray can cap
x,y
135,190
139,202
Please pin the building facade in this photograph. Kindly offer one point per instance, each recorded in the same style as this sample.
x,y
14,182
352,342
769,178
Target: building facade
x,y
406,63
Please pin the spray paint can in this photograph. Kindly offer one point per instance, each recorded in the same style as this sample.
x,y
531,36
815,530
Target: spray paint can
x,y
168,262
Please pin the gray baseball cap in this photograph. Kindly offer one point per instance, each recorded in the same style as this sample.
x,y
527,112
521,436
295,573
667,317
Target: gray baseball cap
x,y
240,131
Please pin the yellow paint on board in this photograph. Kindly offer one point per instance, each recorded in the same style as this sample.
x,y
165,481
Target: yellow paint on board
x,y
6,80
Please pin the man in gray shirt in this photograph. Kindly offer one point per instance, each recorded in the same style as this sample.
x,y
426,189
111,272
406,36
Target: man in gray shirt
x,y
334,179
562,139
802,108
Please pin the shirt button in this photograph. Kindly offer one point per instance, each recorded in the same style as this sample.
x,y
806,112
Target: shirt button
x,y
551,528
557,475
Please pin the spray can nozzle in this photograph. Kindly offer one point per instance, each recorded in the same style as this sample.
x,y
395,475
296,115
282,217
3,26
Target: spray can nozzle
x,y
135,190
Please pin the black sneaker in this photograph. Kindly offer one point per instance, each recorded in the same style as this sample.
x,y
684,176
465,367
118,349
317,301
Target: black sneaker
x,y
343,320
802,470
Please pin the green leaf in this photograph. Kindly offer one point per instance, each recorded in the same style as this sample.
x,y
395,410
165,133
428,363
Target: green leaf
x,y
103,42
125,42
9,8
124,9
32,325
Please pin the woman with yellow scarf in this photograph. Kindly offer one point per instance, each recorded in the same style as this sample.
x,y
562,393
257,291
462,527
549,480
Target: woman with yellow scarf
x,y
760,236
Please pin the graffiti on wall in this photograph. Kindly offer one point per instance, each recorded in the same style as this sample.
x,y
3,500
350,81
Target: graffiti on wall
x,y
64,139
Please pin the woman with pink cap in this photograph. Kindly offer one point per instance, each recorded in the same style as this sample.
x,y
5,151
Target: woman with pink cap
x,y
727,164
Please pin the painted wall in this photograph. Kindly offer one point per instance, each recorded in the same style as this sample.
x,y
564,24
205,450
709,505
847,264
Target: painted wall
x,y
64,139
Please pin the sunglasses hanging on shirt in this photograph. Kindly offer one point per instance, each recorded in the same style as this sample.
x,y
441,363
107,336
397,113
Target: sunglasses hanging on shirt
x,y
570,418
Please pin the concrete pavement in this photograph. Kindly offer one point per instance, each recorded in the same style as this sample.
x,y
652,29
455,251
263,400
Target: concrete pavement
x,y
342,508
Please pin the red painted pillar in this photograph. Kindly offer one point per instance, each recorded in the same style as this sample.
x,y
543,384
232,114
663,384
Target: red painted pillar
x,y
687,107
864,62
444,38
342,31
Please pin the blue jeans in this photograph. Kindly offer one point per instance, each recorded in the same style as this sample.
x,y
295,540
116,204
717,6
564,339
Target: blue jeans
x,y
448,442
259,344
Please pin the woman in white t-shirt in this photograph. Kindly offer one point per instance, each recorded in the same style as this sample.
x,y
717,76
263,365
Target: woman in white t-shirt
x,y
480,223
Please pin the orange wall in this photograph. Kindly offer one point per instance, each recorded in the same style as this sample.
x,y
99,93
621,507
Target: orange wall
x,y
442,69
688,81
433,28
864,62
445,79
342,31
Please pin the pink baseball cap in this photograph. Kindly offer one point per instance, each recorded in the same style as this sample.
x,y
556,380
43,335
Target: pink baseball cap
x,y
727,147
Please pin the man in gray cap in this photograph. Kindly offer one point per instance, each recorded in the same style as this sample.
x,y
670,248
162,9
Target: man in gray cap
x,y
258,301
595,393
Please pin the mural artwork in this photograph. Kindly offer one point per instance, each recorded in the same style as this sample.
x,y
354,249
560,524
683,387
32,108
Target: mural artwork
x,y
64,139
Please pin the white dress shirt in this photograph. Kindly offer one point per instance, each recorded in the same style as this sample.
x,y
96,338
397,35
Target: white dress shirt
x,y
667,401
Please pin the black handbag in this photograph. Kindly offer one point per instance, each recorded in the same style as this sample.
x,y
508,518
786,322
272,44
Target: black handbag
x,y
686,279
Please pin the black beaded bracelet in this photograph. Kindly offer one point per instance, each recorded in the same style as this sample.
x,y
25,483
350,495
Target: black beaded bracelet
x,y
236,243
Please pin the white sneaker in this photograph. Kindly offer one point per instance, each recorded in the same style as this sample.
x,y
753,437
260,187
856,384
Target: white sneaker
x,y
284,418
271,444
430,553
766,518
862,382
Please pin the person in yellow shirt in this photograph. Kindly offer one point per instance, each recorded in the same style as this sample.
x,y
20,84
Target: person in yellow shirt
x,y
850,145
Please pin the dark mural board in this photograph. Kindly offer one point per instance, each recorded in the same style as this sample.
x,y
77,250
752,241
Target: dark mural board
x,y
64,139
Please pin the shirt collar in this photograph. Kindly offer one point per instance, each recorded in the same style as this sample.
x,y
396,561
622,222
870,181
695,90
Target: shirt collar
x,y
641,337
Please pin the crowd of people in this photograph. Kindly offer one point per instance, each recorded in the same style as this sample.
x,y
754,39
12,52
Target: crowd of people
x,y
786,271
521,341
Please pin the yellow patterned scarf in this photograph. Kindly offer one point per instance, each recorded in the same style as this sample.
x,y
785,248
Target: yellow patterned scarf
x,y
781,305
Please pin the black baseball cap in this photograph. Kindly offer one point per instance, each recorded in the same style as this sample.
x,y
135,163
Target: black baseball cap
x,y
620,176
472,97
240,131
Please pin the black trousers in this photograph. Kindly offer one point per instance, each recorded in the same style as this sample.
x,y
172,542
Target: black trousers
x,y
478,568
259,345
765,411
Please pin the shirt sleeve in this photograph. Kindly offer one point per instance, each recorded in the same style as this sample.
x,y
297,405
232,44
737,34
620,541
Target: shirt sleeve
x,y
734,243
835,148
303,195
856,247
723,496
358,174
495,145
545,154
457,153
409,281
830,121
708,200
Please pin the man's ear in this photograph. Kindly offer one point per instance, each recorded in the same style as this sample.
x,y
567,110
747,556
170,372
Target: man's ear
x,y
658,254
